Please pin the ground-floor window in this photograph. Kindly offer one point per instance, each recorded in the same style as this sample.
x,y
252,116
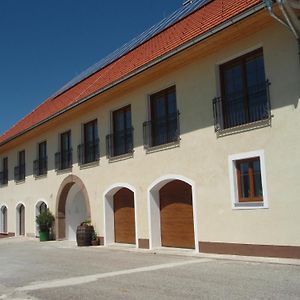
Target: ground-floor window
x,y
3,219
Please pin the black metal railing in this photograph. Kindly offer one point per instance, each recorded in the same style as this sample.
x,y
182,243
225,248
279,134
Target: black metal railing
x,y
19,173
161,131
88,152
4,177
64,160
40,167
119,143
242,108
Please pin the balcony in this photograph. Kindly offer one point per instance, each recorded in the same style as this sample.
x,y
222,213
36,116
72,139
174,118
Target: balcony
x,y
119,143
40,167
63,160
240,109
19,173
161,131
4,177
88,152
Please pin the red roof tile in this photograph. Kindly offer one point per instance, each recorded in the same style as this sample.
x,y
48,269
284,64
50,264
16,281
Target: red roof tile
x,y
207,17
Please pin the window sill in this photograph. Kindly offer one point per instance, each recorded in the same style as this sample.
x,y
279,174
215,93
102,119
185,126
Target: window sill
x,y
244,127
37,177
250,205
121,157
163,147
89,165
21,181
63,171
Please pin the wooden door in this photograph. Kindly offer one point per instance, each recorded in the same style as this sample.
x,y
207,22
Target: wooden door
x,y
22,220
176,215
124,218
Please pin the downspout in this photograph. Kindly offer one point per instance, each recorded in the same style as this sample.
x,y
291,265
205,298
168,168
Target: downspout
x,y
287,22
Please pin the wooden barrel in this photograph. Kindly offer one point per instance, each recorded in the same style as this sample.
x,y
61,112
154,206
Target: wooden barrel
x,y
84,235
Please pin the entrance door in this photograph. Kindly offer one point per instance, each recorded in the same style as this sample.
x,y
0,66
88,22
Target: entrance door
x,y
176,215
21,220
124,219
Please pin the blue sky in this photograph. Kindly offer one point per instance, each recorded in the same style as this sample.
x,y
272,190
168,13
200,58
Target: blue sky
x,y
44,44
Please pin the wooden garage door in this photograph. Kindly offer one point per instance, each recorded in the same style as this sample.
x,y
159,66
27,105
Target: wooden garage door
x,y
124,217
176,215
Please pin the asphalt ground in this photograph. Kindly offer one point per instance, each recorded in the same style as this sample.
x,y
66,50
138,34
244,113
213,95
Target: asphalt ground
x,y
60,270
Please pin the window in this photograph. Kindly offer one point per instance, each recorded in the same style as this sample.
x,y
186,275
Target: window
x,y
121,141
244,92
4,172
163,128
89,150
40,166
63,159
248,182
20,169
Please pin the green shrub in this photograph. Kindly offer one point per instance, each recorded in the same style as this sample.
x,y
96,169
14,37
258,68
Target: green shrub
x,y
45,220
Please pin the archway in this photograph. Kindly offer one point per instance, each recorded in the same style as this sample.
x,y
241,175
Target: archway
x,y
120,216
20,222
172,213
39,208
3,219
72,207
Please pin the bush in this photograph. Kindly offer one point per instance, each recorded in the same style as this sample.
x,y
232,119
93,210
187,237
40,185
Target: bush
x,y
45,220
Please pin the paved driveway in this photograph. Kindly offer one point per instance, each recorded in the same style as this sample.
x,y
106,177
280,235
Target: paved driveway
x,y
60,270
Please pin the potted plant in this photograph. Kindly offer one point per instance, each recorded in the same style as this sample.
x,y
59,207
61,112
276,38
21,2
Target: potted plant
x,y
95,240
84,233
45,222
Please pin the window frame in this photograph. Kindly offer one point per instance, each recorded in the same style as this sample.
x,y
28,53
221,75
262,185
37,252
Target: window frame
x,y
254,203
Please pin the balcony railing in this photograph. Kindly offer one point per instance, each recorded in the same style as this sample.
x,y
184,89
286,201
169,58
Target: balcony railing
x,y
161,131
40,167
4,177
63,160
240,108
88,152
119,143
19,173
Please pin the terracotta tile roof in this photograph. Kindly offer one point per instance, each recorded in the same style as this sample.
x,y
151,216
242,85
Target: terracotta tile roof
x,y
204,19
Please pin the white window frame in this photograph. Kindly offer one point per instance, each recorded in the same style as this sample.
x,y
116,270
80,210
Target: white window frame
x,y
235,204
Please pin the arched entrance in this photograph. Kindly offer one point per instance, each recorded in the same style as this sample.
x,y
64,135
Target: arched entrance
x,y
3,219
39,208
120,215
172,213
72,207
20,222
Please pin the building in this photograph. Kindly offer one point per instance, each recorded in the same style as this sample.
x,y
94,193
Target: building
x,y
187,137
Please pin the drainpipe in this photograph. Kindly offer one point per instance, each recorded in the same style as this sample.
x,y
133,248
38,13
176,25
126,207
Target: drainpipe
x,y
287,19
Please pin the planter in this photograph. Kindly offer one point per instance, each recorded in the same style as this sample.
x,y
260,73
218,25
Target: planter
x,y
44,236
95,242
84,235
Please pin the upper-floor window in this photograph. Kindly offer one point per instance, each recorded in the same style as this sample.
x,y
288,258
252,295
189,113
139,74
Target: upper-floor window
x,y
121,140
4,172
89,151
244,92
163,128
20,169
40,166
63,158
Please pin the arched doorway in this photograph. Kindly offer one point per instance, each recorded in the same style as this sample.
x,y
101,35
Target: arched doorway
x,y
72,207
20,224
120,215
3,219
172,213
39,208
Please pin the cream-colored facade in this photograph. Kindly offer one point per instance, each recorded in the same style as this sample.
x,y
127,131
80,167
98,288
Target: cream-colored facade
x,y
202,158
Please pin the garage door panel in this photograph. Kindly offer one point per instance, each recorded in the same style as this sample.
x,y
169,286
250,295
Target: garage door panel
x,y
177,226
124,217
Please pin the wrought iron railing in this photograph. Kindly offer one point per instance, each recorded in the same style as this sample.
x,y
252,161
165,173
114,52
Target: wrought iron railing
x,y
119,143
242,108
40,166
88,152
161,131
4,177
19,173
63,160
